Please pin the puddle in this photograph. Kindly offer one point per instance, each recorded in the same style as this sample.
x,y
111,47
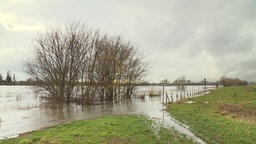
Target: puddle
x,y
154,109
168,121
22,111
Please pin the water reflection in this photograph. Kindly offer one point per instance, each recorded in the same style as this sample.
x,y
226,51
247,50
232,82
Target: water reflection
x,y
28,113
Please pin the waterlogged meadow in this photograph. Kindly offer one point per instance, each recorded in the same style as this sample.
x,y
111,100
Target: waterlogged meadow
x,y
22,111
110,130
227,115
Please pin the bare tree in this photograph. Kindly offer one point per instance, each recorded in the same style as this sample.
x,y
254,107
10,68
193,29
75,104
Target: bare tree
x,y
180,83
8,78
58,55
118,67
1,78
78,64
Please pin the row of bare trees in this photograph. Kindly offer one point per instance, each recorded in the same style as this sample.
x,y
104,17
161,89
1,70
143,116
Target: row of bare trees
x,y
78,64
181,83
227,81
9,79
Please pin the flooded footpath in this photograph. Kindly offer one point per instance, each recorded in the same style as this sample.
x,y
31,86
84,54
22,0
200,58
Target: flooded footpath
x,y
21,110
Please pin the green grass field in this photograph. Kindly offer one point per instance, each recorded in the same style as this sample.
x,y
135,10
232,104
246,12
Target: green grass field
x,y
225,116
126,129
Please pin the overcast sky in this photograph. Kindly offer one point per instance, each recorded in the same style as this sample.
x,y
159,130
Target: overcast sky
x,y
193,38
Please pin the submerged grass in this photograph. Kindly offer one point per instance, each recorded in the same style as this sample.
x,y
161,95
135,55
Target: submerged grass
x,y
125,129
227,115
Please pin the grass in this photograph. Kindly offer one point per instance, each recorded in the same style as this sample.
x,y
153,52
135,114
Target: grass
x,y
227,115
123,129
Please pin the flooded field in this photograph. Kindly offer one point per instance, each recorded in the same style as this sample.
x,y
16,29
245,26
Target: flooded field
x,y
21,110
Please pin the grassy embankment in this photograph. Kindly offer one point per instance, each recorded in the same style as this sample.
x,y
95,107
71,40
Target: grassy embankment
x,y
110,130
225,116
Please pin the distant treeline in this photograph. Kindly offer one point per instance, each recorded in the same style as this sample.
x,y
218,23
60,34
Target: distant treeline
x,y
34,83
226,81
9,79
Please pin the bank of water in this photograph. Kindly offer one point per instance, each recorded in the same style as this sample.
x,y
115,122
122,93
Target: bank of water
x,y
21,110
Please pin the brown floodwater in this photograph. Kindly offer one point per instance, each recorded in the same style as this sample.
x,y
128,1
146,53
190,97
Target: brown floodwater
x,y
21,110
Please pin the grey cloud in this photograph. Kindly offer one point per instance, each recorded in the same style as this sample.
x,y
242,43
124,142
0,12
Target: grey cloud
x,y
223,42
2,34
2,29
225,30
197,38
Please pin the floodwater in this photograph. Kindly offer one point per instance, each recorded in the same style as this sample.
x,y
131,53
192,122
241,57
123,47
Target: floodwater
x,y
21,110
